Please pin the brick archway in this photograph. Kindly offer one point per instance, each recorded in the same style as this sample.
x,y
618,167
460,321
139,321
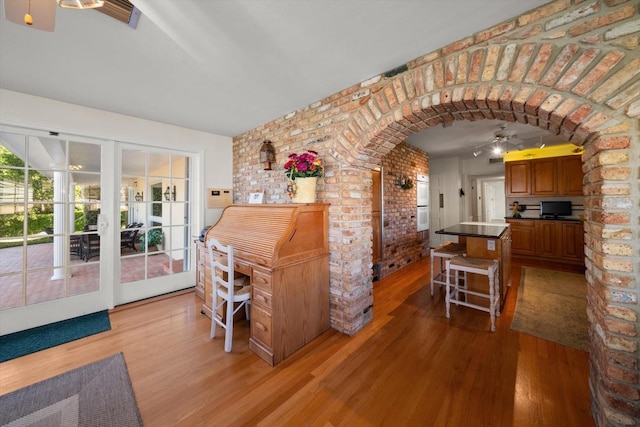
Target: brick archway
x,y
569,69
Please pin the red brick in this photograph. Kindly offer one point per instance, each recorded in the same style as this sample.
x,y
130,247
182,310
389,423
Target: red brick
x,y
549,104
534,101
597,74
559,113
601,21
450,71
490,63
574,119
543,12
495,31
519,101
458,46
539,63
438,73
476,66
463,68
573,15
418,79
504,67
493,99
522,62
576,69
563,60
613,83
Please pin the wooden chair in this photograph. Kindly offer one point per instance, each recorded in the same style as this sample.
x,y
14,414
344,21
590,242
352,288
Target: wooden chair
x,y
225,293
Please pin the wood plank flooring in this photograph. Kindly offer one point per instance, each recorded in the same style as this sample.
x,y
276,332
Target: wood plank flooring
x,y
409,367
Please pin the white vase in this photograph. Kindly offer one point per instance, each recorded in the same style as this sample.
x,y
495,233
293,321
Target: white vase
x,y
305,190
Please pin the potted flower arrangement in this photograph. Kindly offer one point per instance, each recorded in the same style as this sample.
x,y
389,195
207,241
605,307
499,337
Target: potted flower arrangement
x,y
303,171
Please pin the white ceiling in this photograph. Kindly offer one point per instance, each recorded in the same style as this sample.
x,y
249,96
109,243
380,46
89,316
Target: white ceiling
x,y
226,67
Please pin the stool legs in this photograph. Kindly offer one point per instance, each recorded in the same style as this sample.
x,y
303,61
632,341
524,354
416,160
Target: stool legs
x,y
447,292
453,290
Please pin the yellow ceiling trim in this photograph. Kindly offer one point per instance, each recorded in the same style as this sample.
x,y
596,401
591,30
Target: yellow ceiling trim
x,y
541,153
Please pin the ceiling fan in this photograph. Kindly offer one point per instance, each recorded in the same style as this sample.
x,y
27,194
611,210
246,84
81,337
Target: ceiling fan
x,y
41,14
501,140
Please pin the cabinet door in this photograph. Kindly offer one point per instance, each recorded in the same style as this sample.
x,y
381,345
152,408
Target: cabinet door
x,y
522,237
544,177
570,175
518,178
572,240
547,238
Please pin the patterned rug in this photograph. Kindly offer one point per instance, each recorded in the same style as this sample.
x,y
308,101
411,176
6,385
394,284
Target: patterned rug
x,y
97,394
552,305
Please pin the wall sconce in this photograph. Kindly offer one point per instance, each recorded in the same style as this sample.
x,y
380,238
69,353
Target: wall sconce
x,y
170,195
267,155
139,197
404,182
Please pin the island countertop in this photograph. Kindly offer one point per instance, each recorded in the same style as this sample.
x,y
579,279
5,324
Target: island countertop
x,y
475,230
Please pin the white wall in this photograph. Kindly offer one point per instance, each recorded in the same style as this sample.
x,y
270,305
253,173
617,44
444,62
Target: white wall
x,y
216,163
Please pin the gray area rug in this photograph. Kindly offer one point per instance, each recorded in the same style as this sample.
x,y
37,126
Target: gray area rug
x,y
97,394
552,305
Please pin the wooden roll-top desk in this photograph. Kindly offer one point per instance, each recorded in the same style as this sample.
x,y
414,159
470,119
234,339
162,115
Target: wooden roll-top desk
x,y
283,249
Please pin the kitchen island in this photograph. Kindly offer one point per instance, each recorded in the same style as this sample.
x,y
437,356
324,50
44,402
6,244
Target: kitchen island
x,y
486,241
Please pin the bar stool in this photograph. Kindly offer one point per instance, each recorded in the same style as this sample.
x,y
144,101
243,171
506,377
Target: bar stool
x,y
485,267
445,251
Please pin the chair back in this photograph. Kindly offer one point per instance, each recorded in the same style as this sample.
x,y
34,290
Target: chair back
x,y
221,267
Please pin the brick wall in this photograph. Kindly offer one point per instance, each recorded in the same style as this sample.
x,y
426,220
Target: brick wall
x,y
570,67
402,243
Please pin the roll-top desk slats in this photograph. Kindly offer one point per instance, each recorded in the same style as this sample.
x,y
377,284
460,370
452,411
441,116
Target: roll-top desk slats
x,y
284,249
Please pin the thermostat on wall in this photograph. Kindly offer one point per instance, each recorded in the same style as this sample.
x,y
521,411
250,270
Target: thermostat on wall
x,y
219,197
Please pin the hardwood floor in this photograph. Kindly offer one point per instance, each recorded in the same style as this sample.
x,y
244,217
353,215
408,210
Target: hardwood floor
x,y
409,367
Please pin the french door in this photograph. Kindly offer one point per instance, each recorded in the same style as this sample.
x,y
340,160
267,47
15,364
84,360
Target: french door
x,y
52,207
155,206
87,224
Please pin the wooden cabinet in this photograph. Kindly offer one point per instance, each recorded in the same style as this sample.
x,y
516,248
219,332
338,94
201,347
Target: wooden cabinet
x,y
546,235
548,240
284,250
544,177
487,248
518,178
553,176
570,176
572,237
523,238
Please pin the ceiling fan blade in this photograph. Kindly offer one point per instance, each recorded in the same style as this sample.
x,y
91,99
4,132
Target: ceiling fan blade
x,y
43,13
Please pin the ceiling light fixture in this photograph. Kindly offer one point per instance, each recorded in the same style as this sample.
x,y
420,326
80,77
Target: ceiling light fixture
x,y
28,19
540,144
477,152
497,149
80,4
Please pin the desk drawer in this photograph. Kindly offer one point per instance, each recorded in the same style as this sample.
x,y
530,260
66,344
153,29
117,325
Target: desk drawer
x,y
242,267
262,279
261,325
261,297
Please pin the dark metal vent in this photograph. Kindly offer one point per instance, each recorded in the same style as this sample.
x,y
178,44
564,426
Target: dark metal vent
x,y
122,10
496,160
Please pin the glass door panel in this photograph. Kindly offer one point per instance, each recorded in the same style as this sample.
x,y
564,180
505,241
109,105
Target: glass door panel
x,y
155,208
49,196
